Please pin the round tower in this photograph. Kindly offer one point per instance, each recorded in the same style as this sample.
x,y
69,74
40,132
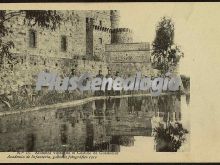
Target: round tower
x,y
121,35
115,18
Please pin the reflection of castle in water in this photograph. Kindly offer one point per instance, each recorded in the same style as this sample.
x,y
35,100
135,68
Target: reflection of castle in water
x,y
102,125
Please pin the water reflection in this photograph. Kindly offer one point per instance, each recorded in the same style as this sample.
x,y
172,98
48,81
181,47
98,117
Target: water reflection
x,y
102,125
30,142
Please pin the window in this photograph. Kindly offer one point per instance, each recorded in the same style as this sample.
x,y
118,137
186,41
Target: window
x,y
100,40
87,20
32,39
100,23
63,133
91,20
63,43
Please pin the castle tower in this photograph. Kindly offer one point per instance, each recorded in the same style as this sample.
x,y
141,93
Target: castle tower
x,y
115,18
121,35
98,33
89,36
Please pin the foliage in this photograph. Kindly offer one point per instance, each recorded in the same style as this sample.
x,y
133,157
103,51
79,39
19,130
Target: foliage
x,y
164,52
170,139
126,140
44,18
21,100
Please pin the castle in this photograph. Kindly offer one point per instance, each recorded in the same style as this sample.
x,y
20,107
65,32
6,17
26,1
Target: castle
x,y
86,41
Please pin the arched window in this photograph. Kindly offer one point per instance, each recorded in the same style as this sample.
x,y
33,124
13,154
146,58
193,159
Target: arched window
x,y
63,43
32,39
100,40
100,23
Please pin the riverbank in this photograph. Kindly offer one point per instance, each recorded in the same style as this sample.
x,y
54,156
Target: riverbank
x,y
70,103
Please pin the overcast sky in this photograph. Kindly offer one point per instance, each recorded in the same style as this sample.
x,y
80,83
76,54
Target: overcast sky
x,y
143,22
196,26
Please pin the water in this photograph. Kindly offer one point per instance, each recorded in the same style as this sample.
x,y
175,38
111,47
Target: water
x,y
110,125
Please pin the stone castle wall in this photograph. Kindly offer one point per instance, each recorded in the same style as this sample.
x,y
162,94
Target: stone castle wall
x,y
92,67
129,58
101,38
87,34
121,35
48,42
98,26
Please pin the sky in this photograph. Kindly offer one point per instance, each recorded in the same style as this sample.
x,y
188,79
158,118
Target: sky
x,y
143,20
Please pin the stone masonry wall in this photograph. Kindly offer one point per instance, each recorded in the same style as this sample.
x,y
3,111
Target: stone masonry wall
x,y
98,33
47,54
128,58
88,33
49,42
101,38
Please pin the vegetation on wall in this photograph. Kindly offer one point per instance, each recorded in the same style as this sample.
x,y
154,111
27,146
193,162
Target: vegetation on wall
x,y
8,63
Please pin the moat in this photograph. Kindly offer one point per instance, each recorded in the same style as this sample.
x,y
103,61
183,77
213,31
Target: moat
x,y
106,125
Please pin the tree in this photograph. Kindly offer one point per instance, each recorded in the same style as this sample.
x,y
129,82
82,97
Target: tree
x,y
170,138
10,76
164,52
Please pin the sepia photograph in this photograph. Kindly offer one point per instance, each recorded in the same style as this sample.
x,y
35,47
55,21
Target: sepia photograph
x,y
70,43
108,82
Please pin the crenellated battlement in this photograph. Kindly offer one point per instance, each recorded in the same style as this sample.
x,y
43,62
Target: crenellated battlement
x,y
117,30
121,30
100,28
